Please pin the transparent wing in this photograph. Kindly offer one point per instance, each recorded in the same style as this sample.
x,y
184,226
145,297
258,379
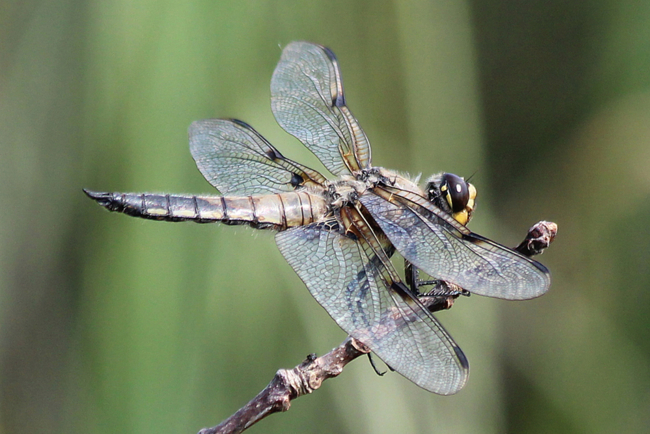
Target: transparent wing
x,y
308,102
435,243
351,283
237,160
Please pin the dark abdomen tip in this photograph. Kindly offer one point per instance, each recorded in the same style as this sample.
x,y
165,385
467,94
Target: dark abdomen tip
x,y
107,200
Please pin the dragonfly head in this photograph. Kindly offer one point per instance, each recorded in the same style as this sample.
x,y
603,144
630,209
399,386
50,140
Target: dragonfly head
x,y
452,194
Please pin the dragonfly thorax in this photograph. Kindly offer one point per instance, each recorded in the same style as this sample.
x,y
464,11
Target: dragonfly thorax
x,y
349,188
345,191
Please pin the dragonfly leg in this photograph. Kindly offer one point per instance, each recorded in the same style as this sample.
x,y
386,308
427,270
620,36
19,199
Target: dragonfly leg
x,y
440,287
372,363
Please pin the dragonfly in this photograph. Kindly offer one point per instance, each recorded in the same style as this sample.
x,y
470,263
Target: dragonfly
x,y
340,233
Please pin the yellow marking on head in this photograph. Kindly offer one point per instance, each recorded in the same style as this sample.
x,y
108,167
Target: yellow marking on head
x,y
472,191
461,217
445,192
471,203
464,216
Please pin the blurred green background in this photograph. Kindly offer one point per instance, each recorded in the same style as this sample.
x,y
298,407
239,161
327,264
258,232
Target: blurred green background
x,y
110,324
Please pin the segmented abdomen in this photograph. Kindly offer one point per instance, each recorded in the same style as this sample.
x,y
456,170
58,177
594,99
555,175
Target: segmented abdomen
x,y
272,211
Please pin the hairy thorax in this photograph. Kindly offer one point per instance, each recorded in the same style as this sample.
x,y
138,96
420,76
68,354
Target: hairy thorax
x,y
347,189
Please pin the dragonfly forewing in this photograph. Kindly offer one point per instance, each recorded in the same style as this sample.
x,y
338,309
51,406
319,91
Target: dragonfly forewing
x,y
444,249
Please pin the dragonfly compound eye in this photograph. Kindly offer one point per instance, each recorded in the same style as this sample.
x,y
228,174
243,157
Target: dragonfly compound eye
x,y
456,191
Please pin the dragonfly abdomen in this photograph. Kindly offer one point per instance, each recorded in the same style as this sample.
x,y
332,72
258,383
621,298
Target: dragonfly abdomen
x,y
272,211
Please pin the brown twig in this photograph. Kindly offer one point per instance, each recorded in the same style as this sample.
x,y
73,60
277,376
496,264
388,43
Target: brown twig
x,y
310,374
539,237
289,384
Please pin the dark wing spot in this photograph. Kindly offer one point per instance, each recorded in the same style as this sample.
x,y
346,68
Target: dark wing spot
x,y
296,180
472,238
338,98
400,289
273,154
461,357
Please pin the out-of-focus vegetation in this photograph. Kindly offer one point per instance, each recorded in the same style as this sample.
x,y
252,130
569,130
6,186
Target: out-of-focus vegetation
x,y
110,324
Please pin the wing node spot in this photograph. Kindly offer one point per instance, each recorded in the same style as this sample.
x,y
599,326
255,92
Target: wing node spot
x,y
296,180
